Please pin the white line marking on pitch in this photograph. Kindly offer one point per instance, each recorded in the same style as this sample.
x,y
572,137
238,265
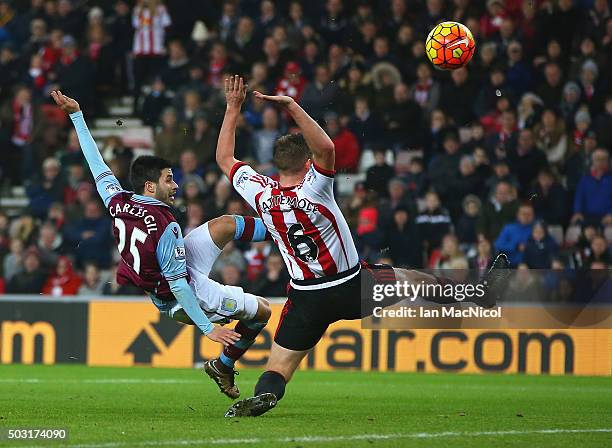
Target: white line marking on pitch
x,y
328,439
603,389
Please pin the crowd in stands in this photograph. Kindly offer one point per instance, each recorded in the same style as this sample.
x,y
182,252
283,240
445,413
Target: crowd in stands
x,y
509,154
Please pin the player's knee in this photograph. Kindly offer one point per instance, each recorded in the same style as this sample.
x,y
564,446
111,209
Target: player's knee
x,y
222,228
263,310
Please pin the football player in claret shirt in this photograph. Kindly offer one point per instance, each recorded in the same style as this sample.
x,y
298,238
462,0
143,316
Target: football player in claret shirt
x,y
174,271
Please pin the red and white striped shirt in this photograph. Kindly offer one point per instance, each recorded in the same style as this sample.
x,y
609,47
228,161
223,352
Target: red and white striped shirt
x,y
305,223
150,31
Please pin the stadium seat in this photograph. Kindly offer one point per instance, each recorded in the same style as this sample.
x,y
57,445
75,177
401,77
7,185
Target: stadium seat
x,y
556,231
572,234
367,159
345,183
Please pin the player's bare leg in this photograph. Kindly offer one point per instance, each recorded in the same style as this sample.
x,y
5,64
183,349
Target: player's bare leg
x,y
270,387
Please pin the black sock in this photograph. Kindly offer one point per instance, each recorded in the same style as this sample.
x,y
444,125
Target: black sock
x,y
271,381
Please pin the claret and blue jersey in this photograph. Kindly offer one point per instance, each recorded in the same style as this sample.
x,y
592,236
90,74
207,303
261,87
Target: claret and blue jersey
x,y
148,238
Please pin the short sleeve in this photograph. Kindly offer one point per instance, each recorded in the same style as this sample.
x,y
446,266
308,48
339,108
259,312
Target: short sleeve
x,y
248,183
171,253
319,182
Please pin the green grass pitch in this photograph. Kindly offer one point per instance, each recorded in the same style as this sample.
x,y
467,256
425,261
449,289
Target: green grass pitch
x,y
147,407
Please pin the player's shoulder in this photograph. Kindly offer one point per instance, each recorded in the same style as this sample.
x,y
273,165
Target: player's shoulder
x,y
245,176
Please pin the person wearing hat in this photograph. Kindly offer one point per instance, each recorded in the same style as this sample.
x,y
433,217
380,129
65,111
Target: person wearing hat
x,y
292,83
491,21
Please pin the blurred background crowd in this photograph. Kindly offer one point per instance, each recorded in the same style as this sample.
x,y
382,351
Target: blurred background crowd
x,y
435,169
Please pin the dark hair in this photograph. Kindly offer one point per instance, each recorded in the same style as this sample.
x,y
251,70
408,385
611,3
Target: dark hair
x,y
146,169
290,153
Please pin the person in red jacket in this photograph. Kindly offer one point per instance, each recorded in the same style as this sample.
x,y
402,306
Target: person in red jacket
x,y
292,83
64,281
347,145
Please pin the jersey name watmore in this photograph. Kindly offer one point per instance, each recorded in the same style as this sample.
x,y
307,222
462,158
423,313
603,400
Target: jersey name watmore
x,y
290,201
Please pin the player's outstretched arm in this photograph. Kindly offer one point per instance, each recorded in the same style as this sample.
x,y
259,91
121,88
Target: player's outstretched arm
x,y
318,141
106,183
235,94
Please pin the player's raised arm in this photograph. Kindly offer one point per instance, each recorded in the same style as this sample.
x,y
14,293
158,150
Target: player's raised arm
x,y
318,141
106,183
235,94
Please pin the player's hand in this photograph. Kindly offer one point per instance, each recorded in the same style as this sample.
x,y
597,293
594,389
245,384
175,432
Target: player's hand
x,y
280,100
224,336
66,103
235,91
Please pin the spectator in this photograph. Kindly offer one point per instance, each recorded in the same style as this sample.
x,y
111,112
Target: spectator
x,y
170,137
468,222
604,124
366,125
526,160
189,170
195,216
456,95
347,145
293,83
500,210
319,95
13,261
449,256
552,88
154,103
466,182
403,240
93,281
483,258
514,236
445,167
426,91
50,245
91,236
369,237
264,139
150,20
203,139
47,189
402,120
31,279
231,255
378,175
550,137
599,252
549,199
593,200
434,222
540,249
501,173
272,281
63,281
526,285
23,124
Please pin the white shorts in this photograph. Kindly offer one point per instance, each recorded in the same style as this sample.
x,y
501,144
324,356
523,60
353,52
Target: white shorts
x,y
221,303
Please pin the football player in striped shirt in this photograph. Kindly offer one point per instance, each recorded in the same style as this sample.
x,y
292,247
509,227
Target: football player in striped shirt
x,y
305,222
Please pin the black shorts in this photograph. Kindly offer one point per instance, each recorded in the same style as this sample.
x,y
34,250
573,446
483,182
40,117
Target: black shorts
x,y
307,313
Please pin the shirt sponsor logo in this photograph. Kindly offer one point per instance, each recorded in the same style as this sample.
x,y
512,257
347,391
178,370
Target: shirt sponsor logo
x,y
179,253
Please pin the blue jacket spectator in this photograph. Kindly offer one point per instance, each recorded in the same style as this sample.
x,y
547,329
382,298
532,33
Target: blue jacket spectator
x,y
48,189
593,200
514,236
91,237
